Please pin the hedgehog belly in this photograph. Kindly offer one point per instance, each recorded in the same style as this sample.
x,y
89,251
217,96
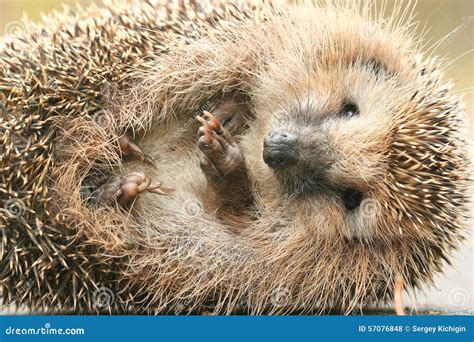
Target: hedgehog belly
x,y
176,159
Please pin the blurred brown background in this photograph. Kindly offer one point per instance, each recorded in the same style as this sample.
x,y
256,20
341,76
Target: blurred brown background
x,y
453,19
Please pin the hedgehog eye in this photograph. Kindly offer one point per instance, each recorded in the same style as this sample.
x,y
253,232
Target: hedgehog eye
x,y
351,198
350,110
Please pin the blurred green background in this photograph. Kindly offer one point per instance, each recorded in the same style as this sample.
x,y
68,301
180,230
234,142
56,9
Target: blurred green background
x,y
440,18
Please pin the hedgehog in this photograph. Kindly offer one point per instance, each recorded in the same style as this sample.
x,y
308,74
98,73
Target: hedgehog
x,y
225,156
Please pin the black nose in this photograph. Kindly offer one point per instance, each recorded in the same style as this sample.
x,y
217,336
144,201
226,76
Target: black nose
x,y
279,149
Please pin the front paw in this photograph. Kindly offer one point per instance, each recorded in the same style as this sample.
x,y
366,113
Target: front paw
x,y
224,166
222,154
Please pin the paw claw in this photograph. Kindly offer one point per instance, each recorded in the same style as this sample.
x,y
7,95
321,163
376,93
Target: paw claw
x,y
218,146
161,191
213,123
129,148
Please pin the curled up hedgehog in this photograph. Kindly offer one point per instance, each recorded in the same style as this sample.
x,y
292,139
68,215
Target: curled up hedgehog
x,y
225,157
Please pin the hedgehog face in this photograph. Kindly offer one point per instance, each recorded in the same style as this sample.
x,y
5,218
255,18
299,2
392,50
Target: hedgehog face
x,y
349,123
330,120
331,140
331,152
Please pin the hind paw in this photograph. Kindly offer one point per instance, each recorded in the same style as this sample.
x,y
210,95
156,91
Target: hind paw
x,y
129,148
124,189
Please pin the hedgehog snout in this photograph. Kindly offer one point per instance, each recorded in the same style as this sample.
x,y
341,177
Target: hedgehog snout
x,y
279,149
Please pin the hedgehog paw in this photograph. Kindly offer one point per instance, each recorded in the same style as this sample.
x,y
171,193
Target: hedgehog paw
x,y
223,164
129,148
223,154
124,189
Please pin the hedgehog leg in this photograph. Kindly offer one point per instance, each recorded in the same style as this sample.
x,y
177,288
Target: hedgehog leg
x,y
223,163
126,188
129,148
